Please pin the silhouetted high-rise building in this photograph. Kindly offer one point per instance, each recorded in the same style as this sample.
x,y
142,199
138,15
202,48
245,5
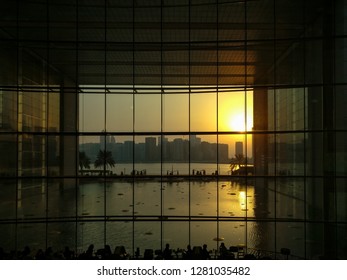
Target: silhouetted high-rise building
x,y
239,148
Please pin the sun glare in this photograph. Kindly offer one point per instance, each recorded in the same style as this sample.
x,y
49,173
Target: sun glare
x,y
237,122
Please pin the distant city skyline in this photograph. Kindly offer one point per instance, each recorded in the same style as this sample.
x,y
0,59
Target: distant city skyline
x,y
155,149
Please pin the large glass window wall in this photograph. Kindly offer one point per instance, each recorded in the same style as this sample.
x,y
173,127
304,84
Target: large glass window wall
x,y
142,123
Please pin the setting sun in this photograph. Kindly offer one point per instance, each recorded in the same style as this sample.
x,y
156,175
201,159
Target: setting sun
x,y
236,122
235,111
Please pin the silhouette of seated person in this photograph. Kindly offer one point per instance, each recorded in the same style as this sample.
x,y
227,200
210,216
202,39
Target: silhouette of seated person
x,y
148,254
26,254
197,253
40,255
105,253
120,253
89,255
204,253
68,254
167,253
188,254
223,252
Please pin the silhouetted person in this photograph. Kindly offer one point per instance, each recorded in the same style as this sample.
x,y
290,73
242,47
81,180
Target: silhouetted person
x,y
120,253
188,254
90,252
205,253
26,253
167,252
223,251
68,254
107,255
40,255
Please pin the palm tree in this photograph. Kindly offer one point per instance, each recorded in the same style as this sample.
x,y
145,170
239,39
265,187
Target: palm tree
x,y
104,158
83,160
237,162
240,159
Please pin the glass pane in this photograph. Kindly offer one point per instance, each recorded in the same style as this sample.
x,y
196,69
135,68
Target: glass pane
x,y
290,109
147,197
64,56
8,155
290,195
292,236
341,233
88,150
147,112
287,15
264,198
203,232
32,235
58,30
119,112
261,239
264,21
175,112
90,233
60,236
314,61
233,16
341,105
175,195
148,235
290,154
120,234
122,149
92,111
147,156
8,110
53,155
92,15
53,124
341,150
203,198
90,200
315,209
203,62
198,15
260,60
175,63
341,197
8,192
203,149
33,12
290,68
314,154
119,197
68,155
32,155
340,56
61,198
34,106
176,234
8,237
234,234
32,198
